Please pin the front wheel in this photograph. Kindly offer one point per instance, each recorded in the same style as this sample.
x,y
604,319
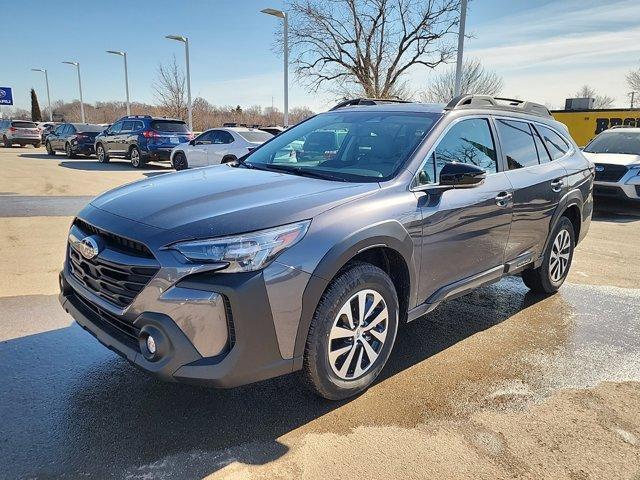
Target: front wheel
x,y
6,142
180,161
101,154
352,332
228,159
550,276
68,152
50,151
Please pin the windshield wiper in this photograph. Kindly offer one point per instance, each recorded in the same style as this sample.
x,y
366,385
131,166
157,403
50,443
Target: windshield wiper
x,y
296,171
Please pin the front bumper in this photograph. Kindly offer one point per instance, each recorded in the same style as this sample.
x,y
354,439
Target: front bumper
x,y
626,188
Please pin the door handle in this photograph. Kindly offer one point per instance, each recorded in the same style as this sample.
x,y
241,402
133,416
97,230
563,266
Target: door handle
x,y
557,185
502,199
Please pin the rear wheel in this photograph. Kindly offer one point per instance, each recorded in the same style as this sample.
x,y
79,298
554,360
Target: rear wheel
x,y
6,142
136,160
37,145
101,154
50,151
180,161
352,332
228,159
549,276
68,152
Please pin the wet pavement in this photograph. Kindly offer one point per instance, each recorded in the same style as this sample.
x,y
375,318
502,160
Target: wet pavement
x,y
72,408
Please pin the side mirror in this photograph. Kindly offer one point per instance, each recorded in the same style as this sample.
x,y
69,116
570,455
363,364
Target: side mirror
x,y
192,142
461,175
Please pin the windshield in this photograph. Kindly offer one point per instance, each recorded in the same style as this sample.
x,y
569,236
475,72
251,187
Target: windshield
x,y
169,126
350,146
615,142
255,136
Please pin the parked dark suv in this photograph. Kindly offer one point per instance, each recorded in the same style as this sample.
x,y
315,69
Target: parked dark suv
x,y
236,273
73,139
141,138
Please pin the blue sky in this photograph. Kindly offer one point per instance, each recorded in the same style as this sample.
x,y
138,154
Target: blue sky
x,y
545,50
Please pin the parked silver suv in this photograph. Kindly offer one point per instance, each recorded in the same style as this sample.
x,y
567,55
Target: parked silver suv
x,y
20,132
311,260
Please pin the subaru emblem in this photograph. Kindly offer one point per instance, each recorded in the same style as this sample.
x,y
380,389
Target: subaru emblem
x,y
89,248
599,168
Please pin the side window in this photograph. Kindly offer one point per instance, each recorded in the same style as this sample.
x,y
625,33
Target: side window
x,y
224,137
517,144
468,141
58,131
543,154
70,130
205,138
138,125
115,128
557,145
127,126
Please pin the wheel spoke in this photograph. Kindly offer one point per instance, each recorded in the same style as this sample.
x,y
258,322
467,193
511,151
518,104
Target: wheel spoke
x,y
359,370
347,363
346,311
334,355
362,302
371,353
340,332
381,336
382,316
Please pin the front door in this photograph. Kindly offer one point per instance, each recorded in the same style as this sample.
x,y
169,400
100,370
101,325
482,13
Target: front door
x,y
111,137
197,153
538,185
222,141
464,230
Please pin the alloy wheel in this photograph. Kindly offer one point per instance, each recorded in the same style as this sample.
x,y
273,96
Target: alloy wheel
x,y
135,158
559,258
100,153
358,334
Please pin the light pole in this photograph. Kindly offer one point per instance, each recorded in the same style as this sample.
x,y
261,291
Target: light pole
x,y
77,65
463,19
46,79
185,40
285,18
126,76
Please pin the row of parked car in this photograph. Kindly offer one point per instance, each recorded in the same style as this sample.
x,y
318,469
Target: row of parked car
x,y
140,139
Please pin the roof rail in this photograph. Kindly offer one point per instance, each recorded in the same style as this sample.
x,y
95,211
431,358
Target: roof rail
x,y
366,101
498,103
622,126
137,116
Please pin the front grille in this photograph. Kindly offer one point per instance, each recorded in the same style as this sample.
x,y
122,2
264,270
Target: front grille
x,y
607,191
611,173
115,241
115,326
117,281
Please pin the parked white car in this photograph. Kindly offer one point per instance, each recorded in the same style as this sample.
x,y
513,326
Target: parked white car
x,y
216,146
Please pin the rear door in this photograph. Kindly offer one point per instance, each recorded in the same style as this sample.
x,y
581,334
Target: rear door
x,y
538,185
124,138
465,230
54,138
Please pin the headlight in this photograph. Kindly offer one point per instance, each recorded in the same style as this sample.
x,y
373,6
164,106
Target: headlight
x,y
246,252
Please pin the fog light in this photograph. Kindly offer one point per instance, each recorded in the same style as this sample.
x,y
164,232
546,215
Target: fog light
x,y
151,345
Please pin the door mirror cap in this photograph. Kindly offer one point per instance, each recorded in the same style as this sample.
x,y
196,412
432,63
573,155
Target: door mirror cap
x,y
461,175
192,142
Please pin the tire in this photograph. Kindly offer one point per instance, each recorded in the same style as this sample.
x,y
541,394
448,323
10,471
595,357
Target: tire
x,y
550,276
68,152
6,142
101,154
325,374
228,159
50,151
136,158
180,161
37,145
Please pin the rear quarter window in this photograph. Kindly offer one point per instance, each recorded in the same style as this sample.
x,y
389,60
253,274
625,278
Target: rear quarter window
x,y
557,146
517,143
169,126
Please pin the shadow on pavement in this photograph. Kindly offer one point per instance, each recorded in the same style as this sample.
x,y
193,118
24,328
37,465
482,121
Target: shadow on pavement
x,y
71,407
113,166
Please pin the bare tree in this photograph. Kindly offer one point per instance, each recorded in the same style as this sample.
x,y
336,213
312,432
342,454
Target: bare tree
x,y
600,101
633,79
366,47
170,90
475,79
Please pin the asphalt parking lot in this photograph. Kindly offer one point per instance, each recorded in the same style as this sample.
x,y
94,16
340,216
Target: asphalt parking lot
x,y
500,383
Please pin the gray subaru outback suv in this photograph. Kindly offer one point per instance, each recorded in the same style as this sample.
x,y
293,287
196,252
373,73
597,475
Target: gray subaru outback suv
x,y
308,253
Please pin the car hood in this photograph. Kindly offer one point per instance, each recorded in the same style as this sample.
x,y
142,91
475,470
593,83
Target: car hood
x,y
223,200
613,158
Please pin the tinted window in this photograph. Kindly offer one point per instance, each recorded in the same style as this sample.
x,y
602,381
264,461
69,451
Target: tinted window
x,y
138,125
615,142
255,136
169,126
70,130
543,155
127,126
556,145
23,124
220,137
517,144
206,137
469,141
360,146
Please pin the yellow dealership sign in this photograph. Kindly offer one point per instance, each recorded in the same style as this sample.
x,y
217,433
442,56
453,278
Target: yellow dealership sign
x,y
585,124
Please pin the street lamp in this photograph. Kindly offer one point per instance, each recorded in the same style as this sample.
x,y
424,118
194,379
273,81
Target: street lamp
x,y
77,65
463,19
46,79
285,18
185,40
126,76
